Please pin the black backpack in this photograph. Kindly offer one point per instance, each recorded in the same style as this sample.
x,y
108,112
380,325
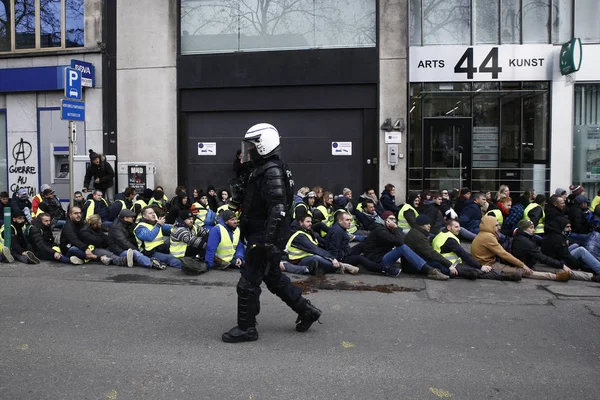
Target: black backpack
x,y
193,266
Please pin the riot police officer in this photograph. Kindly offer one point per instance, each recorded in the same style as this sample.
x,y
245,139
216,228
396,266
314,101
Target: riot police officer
x,y
265,192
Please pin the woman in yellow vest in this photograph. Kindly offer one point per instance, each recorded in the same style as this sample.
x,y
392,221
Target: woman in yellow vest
x,y
407,216
224,248
502,210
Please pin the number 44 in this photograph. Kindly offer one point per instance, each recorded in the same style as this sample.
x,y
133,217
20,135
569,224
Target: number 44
x,y
483,68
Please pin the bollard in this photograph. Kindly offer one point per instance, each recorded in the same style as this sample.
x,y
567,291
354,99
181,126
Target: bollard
x,y
7,226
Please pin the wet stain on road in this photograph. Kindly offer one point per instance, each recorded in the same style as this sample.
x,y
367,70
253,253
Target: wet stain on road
x,y
315,283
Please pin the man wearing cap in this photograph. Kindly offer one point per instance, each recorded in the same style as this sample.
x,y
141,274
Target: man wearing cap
x,y
101,171
99,206
37,199
51,205
20,202
580,225
187,239
576,190
417,240
224,248
305,206
151,240
123,239
18,245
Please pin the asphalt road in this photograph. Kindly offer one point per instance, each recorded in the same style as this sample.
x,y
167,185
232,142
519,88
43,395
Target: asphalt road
x,y
98,332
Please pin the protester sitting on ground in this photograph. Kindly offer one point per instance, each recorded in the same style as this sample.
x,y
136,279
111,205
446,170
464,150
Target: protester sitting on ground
x,y
71,242
488,251
347,193
211,195
301,194
142,202
99,243
97,206
122,240
158,203
407,216
595,201
123,201
340,204
470,216
187,239
434,213
534,212
179,204
4,203
578,216
464,196
368,218
501,210
224,248
18,244
51,206
37,199
503,191
305,206
78,200
20,202
165,199
178,189
446,202
201,210
576,190
385,245
319,192
556,245
152,236
223,198
305,255
388,199
42,242
326,208
448,245
515,215
369,193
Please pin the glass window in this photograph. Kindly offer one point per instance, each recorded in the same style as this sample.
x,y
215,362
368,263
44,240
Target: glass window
x,y
25,24
255,25
50,24
5,27
486,21
536,21
414,22
511,21
562,23
535,125
446,22
586,137
587,15
74,26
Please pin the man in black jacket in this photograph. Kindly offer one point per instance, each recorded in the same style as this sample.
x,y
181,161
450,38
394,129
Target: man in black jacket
x,y
122,240
42,240
434,212
70,238
123,201
385,245
51,205
580,225
97,241
102,173
18,247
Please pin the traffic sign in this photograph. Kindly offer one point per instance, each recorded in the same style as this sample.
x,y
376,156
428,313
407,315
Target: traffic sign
x,y
72,84
87,70
72,110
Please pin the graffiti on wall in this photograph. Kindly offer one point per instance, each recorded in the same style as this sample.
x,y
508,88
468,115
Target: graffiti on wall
x,y
23,163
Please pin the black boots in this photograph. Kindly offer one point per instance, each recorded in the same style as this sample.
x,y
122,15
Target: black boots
x,y
309,316
248,309
237,335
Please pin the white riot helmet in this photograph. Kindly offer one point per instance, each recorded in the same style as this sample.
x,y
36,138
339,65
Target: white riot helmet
x,y
260,141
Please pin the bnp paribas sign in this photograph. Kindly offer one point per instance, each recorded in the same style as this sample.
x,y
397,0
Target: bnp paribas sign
x,y
570,56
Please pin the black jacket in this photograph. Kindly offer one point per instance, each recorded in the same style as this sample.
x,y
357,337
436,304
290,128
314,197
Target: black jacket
x,y
525,249
121,236
303,243
18,242
16,203
556,245
103,171
117,206
417,240
41,240
434,212
552,213
71,236
54,208
381,241
535,215
579,222
98,239
100,208
176,207
388,202
337,242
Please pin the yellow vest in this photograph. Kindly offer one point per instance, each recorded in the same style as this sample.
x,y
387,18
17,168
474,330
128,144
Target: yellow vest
x,y
295,253
226,249
224,207
201,215
540,226
301,205
440,240
498,215
158,240
402,222
353,225
177,248
359,207
14,233
595,202
143,204
90,210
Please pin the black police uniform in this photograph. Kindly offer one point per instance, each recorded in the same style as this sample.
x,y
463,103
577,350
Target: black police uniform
x,y
267,200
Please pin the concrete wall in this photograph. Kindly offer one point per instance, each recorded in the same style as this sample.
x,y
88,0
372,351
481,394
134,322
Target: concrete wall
x,y
147,85
393,86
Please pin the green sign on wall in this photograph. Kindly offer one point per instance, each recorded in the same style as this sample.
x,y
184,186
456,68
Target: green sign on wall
x,y
570,56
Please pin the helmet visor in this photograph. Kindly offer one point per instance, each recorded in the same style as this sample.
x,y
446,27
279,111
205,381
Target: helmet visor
x,y
249,152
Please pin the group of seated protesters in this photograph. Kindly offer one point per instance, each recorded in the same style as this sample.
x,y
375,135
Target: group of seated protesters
x,y
527,237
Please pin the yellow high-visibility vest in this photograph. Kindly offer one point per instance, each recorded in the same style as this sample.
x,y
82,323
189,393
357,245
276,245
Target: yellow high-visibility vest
x,y
402,222
295,253
177,248
440,240
158,240
226,250
91,208
540,226
498,215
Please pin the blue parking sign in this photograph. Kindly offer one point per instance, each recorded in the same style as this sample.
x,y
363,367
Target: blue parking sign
x,y
72,84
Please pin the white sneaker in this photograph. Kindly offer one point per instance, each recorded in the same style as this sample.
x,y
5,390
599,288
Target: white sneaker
x,y
105,260
76,260
130,258
7,254
351,269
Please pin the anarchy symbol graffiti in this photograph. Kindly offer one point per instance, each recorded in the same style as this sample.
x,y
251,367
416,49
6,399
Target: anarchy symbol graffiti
x,y
21,151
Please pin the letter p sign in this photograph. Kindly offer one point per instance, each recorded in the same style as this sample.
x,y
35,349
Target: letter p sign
x,y
72,84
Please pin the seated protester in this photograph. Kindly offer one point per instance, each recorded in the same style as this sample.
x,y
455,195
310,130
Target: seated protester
x,y
20,202
347,193
213,200
223,199
555,209
70,242
178,205
470,215
448,245
306,256
201,210
158,203
18,244
368,217
187,239
42,242
407,216
488,251
305,206
385,245
370,194
123,201
178,189
4,203
97,206
149,234
434,212
515,215
595,201
99,243
556,245
501,210
122,240
142,202
51,206
578,216
224,248
464,197
417,240
37,199
300,195
340,204
319,225
326,209
388,199
165,199
534,212
576,190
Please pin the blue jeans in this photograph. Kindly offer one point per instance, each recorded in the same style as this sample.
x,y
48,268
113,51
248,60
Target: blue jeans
x,y
62,259
588,259
295,269
403,251
60,223
167,259
74,251
579,238
467,235
324,263
139,258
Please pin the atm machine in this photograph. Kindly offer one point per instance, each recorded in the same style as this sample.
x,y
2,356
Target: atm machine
x,y
59,170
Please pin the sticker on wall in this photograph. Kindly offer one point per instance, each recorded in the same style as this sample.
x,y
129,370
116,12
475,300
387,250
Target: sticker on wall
x,y
341,148
23,162
207,149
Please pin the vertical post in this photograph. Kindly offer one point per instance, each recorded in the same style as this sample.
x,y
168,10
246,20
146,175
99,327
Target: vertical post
x,y
72,139
7,226
460,169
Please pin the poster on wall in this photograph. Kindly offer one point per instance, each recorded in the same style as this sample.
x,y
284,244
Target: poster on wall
x,y
207,149
23,163
136,177
485,147
341,148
